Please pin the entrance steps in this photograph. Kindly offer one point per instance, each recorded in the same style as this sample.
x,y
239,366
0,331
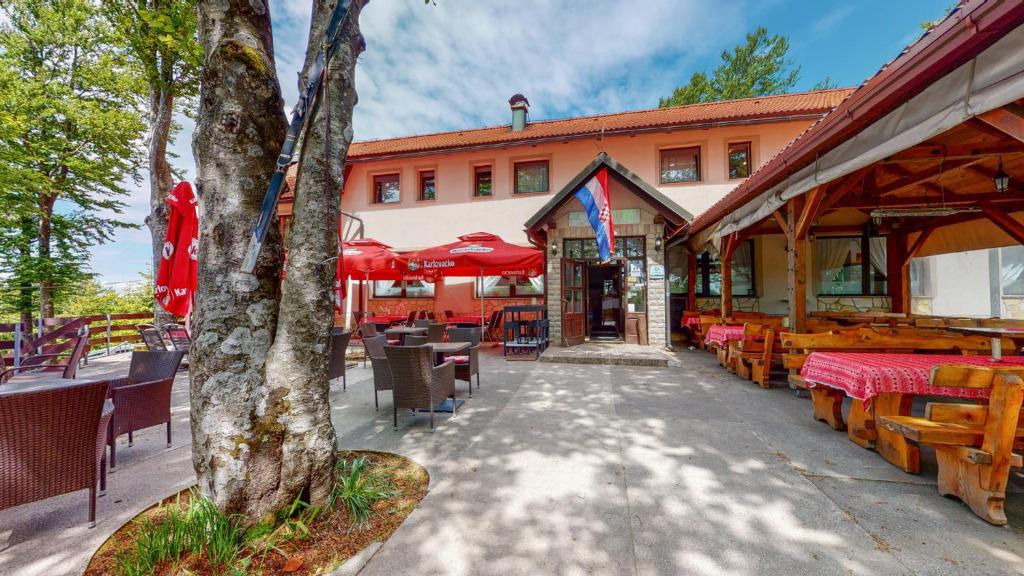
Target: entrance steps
x,y
610,354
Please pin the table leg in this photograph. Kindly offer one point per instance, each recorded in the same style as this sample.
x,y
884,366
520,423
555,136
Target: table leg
x,y
997,349
827,404
861,425
900,452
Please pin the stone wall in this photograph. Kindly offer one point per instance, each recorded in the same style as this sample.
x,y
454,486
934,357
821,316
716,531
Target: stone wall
x,y
854,304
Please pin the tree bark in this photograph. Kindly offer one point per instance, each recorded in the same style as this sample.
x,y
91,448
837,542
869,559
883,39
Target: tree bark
x,y
161,105
239,424
297,365
46,204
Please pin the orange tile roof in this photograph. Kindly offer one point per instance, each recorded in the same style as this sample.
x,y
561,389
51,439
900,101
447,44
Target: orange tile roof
x,y
747,109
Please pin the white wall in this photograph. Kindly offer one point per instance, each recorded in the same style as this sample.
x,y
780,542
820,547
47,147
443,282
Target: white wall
x,y
960,284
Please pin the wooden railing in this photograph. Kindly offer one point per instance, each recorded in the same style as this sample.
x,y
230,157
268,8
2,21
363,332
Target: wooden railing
x,y
106,332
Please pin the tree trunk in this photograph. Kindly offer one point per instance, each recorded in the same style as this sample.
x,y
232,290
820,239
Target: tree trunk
x,y
161,105
297,365
45,234
239,424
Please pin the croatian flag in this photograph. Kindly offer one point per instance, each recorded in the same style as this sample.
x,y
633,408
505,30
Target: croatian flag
x,y
596,200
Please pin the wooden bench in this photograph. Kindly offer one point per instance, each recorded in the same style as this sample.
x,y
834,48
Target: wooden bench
x,y
757,345
860,426
973,443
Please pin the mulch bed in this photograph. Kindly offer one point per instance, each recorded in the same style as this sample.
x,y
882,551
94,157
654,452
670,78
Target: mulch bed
x,y
332,539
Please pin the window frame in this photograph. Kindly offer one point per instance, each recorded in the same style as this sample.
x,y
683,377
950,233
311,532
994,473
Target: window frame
x,y
373,187
421,180
404,294
474,172
511,291
704,273
516,163
865,269
729,147
699,164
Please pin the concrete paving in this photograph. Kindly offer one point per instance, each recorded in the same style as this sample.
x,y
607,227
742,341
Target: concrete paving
x,y
593,469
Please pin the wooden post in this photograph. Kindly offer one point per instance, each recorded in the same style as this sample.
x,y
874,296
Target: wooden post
x,y
898,271
691,275
796,268
728,244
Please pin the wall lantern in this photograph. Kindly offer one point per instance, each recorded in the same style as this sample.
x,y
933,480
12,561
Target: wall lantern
x,y
1002,179
657,244
554,250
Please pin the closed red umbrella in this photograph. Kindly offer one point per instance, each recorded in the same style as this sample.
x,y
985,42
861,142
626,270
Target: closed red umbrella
x,y
176,278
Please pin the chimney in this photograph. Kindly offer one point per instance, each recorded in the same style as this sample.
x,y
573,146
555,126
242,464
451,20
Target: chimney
x,y
519,105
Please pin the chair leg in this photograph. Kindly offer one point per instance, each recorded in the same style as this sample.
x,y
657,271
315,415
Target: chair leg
x,y
344,383
432,414
103,476
477,381
92,507
113,454
395,410
131,441
168,433
376,403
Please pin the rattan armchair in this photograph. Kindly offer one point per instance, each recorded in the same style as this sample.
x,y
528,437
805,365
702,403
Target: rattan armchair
x,y
143,399
421,323
178,337
151,336
435,332
466,365
417,383
339,347
369,330
381,368
414,340
52,442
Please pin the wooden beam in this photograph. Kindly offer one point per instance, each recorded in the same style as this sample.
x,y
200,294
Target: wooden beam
x,y
922,176
1009,120
950,200
796,269
782,224
691,285
839,190
916,246
897,272
812,203
1004,221
956,151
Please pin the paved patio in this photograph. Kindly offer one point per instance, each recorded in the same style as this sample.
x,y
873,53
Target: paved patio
x,y
592,469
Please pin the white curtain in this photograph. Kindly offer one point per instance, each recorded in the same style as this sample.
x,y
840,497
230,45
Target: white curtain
x,y
382,287
830,255
879,255
1012,265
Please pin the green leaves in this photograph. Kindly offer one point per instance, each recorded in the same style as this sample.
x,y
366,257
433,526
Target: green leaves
x,y
757,68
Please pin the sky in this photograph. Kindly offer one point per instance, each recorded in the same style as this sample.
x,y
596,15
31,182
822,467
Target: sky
x,y
453,64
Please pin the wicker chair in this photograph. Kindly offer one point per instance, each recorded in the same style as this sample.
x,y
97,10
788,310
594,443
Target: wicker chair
x,y
52,442
435,332
448,315
143,399
369,330
52,362
410,321
430,316
417,382
178,337
492,328
381,368
421,323
339,347
151,336
466,365
414,340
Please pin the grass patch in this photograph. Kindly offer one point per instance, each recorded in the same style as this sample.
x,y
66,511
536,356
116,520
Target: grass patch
x,y
187,534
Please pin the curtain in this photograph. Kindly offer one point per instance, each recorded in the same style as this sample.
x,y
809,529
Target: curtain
x,y
494,288
1011,270
829,255
878,253
742,271
384,288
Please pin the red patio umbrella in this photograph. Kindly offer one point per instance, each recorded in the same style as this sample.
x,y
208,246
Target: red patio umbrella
x,y
475,255
176,278
367,259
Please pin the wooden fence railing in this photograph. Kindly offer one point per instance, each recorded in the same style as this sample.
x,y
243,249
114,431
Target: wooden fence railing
x,y
106,332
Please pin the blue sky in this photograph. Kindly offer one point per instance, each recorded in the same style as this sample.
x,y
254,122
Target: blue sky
x,y
454,64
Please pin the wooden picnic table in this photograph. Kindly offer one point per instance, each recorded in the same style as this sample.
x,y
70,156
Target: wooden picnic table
x,y
997,334
885,385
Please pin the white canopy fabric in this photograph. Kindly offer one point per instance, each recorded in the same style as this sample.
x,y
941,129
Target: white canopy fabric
x,y
993,79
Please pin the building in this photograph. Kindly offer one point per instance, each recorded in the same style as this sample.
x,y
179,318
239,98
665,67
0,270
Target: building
x,y
666,164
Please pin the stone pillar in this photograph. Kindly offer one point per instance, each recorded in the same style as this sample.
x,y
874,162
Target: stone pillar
x,y
553,283
657,310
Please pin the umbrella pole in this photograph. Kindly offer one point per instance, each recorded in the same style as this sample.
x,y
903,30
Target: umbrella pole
x,y
481,303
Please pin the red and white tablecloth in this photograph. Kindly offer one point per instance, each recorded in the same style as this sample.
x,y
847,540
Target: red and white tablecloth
x,y
465,319
690,320
720,334
866,375
385,319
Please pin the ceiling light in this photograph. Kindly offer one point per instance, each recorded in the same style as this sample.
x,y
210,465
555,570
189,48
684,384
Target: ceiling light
x,y
1002,179
926,212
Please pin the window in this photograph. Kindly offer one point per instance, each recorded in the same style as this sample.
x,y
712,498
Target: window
x,y
402,289
427,188
680,165
386,189
851,266
504,287
531,176
920,277
482,181
709,273
630,250
739,160
1011,271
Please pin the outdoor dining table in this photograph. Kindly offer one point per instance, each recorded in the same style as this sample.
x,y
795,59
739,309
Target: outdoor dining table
x,y
885,385
384,319
1016,335
441,349
721,334
402,331
691,320
36,381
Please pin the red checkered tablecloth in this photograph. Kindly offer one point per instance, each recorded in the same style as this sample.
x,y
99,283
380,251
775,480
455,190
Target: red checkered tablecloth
x,y
865,375
690,320
720,334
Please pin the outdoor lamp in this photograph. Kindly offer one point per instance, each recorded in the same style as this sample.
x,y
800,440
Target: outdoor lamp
x,y
554,250
1002,179
657,244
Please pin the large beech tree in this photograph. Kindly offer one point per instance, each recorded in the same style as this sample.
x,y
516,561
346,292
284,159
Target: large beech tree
x,y
261,424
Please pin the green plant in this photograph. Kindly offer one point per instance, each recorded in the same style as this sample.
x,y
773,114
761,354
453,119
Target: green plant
x,y
358,490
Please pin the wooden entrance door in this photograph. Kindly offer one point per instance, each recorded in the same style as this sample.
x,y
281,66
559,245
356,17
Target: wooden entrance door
x,y
574,286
